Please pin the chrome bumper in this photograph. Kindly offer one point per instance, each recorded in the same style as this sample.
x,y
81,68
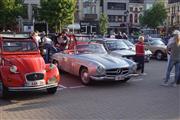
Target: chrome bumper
x,y
96,78
33,88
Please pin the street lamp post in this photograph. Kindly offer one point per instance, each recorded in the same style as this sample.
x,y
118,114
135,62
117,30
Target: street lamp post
x,y
19,23
126,14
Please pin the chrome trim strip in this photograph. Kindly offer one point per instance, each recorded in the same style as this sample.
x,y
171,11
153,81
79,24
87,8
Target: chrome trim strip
x,y
111,77
33,88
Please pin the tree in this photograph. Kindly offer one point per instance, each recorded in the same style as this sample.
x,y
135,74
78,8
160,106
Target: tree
x,y
10,10
103,24
58,13
154,16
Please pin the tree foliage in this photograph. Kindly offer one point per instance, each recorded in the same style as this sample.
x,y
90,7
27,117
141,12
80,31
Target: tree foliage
x,y
58,13
154,16
10,10
103,23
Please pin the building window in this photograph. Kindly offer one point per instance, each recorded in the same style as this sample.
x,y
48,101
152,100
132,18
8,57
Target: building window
x,y
89,0
131,18
173,1
148,6
140,9
131,9
89,10
89,7
172,10
125,18
136,18
115,18
116,6
136,1
136,9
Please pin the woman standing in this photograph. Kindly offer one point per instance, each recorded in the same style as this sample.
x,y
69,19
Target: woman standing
x,y
140,54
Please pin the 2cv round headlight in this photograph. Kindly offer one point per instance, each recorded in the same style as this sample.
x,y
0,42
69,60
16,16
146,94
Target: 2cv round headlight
x,y
13,69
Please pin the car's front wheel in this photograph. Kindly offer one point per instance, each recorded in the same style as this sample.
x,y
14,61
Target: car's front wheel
x,y
85,76
159,55
52,90
4,93
147,58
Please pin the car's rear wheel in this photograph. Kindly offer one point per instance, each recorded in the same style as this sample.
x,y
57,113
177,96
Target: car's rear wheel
x,y
4,93
85,76
159,55
52,90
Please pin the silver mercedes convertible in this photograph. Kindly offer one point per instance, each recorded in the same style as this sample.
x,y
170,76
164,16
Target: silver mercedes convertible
x,y
91,62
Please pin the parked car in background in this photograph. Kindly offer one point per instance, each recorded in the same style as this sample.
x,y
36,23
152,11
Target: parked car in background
x,y
116,47
91,62
157,47
148,53
22,68
82,38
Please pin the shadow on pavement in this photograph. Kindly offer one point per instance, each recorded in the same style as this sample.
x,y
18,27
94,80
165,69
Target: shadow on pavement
x,y
16,97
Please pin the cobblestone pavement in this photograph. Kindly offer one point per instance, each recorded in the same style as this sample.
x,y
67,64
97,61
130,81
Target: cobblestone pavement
x,y
141,98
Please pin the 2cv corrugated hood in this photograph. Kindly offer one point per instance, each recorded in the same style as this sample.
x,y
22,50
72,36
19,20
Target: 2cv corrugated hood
x,y
27,63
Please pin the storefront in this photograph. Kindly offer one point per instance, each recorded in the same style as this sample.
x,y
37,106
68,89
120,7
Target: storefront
x,y
89,27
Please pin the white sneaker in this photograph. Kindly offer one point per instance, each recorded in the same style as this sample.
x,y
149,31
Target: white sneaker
x,y
164,84
143,74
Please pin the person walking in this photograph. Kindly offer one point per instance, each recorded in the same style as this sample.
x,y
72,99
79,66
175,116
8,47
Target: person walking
x,y
174,60
140,54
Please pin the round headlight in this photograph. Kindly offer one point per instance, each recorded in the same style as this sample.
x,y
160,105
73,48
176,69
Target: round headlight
x,y
100,70
13,69
51,66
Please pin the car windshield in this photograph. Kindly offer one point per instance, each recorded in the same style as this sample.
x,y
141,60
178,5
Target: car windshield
x,y
91,48
19,46
128,43
116,45
156,42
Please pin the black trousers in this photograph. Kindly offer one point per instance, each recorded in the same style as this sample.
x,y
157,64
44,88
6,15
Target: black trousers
x,y
140,62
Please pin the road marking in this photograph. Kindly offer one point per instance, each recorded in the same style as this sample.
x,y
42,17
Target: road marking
x,y
74,87
138,79
60,89
135,75
61,86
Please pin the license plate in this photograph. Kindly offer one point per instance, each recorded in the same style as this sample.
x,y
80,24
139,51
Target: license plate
x,y
35,83
119,78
